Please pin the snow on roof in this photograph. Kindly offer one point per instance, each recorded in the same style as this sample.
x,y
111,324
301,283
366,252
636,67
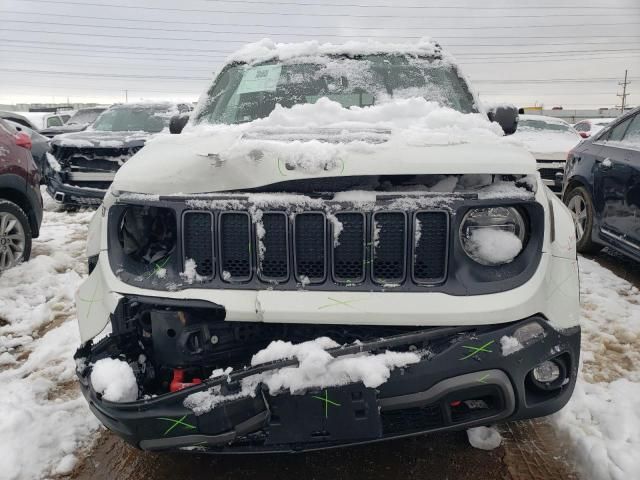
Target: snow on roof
x,y
145,104
544,118
598,120
266,49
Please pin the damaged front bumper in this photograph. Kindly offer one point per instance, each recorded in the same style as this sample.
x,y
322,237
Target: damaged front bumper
x,y
72,195
467,376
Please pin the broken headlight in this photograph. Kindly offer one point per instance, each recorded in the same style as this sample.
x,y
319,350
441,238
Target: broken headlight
x,y
493,236
147,234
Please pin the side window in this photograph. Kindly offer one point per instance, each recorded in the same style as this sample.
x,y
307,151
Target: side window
x,y
632,136
54,122
617,132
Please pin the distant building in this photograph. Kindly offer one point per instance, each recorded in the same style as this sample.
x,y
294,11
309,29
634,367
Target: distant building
x,y
574,116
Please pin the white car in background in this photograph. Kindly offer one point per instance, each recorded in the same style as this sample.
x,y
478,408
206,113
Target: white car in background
x,y
589,126
41,120
549,140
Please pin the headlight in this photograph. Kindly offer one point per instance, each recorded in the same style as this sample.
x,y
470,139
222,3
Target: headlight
x,y
147,234
493,236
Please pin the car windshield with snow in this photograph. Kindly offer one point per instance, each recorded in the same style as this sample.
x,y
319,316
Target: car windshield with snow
x,y
342,246
82,164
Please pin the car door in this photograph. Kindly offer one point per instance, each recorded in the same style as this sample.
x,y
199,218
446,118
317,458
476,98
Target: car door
x,y
616,181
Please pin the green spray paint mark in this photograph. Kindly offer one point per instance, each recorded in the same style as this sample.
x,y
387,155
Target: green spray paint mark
x,y
93,298
175,423
484,378
336,302
476,350
280,168
327,402
157,266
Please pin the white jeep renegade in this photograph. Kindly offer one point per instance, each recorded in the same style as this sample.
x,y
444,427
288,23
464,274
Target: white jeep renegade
x,y
341,247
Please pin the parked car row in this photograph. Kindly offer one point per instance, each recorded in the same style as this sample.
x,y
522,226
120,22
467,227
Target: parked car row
x,y
20,198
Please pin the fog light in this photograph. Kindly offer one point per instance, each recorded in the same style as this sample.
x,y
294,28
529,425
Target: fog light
x,y
546,372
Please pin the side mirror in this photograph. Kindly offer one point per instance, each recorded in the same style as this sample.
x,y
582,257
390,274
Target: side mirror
x,y
584,134
177,123
506,116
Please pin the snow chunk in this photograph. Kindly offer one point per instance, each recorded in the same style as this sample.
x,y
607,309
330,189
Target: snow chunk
x,y
190,274
337,228
316,368
495,246
509,345
267,49
279,349
115,380
484,438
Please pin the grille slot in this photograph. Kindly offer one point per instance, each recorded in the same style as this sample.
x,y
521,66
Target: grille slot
x,y
349,254
197,241
389,236
274,265
413,419
430,246
310,246
235,246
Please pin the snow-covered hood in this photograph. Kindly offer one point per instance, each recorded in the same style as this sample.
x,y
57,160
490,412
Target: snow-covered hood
x,y
410,136
97,139
546,145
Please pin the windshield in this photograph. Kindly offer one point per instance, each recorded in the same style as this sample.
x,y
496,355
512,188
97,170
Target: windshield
x,y
85,116
542,125
243,93
148,118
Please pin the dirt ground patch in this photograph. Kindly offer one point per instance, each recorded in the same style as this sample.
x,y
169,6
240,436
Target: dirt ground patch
x,y
530,451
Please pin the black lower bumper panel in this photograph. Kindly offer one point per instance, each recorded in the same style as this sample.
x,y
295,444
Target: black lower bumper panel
x,y
468,381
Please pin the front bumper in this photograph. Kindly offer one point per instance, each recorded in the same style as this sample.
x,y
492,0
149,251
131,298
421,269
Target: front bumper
x,y
71,195
465,367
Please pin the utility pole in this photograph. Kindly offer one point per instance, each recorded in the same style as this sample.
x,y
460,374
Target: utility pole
x,y
624,93
126,96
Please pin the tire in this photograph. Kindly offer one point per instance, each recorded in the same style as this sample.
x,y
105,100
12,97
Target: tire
x,y
15,235
579,203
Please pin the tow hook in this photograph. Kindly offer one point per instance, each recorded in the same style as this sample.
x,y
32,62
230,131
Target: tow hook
x,y
178,383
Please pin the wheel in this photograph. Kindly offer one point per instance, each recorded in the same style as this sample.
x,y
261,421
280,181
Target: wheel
x,y
579,202
15,235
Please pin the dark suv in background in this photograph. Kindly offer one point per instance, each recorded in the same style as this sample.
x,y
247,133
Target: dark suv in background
x,y
83,164
602,188
20,199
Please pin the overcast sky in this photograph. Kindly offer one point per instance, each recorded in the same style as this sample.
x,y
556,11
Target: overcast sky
x,y
564,52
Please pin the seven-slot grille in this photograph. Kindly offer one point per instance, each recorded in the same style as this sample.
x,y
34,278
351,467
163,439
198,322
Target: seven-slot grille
x,y
387,247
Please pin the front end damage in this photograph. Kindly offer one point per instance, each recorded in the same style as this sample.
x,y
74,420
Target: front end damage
x,y
80,173
264,322
464,376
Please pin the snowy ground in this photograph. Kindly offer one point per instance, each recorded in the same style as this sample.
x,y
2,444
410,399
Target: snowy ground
x,y
603,417
45,421
45,425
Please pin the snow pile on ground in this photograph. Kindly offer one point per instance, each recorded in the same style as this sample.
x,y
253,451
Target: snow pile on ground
x,y
494,246
484,438
114,379
603,416
45,421
316,368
